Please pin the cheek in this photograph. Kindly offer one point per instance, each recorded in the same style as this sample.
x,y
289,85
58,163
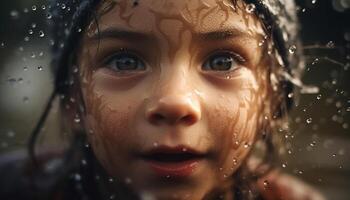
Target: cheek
x,y
107,124
235,127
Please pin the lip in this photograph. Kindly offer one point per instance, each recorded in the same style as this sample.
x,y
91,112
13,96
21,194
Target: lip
x,y
167,161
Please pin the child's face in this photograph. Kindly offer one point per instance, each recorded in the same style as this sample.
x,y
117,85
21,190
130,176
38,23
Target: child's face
x,y
171,77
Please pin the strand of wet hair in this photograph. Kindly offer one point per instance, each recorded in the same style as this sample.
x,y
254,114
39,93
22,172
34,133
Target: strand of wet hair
x,y
35,133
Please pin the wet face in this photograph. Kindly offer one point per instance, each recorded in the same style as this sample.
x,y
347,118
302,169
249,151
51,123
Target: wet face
x,y
173,92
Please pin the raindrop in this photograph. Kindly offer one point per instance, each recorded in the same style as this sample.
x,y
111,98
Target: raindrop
x,y
11,134
112,196
14,14
43,7
48,16
25,68
32,55
246,145
26,39
319,97
2,45
34,7
292,49
30,32
40,68
41,34
250,8
330,44
348,109
347,36
313,1
33,25
128,180
234,161
284,165
63,6
76,119
290,95
83,162
313,143
309,120
111,180
266,184
77,177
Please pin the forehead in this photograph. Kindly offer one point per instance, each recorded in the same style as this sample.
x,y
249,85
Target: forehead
x,y
172,15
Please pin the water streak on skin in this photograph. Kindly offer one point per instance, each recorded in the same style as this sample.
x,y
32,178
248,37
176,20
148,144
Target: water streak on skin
x,y
113,124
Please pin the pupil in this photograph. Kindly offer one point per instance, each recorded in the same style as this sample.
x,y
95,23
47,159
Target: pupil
x,y
222,63
126,64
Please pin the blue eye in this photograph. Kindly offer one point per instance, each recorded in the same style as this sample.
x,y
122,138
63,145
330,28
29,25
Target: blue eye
x,y
124,62
221,62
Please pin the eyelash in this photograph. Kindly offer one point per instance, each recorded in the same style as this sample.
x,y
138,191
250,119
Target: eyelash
x,y
236,59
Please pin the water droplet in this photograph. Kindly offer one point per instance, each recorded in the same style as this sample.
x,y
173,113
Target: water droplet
x,y
319,97
83,162
63,6
128,180
111,180
234,161
34,7
309,120
43,7
76,119
77,177
41,34
330,44
313,1
30,31
292,49
40,68
26,39
315,61
11,134
290,95
266,184
250,8
246,145
14,14
48,16
33,25
155,144
284,165
184,149
313,143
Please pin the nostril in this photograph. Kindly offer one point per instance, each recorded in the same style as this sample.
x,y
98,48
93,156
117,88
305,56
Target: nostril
x,y
156,117
188,119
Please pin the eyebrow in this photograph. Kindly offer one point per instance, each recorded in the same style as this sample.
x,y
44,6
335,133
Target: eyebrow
x,y
115,33
223,34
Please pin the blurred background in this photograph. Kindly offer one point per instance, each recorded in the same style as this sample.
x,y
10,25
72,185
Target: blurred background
x,y
317,144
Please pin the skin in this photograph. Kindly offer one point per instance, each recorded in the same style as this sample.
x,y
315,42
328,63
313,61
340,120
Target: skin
x,y
174,98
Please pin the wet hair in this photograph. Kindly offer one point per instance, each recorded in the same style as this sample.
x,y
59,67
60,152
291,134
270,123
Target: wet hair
x,y
71,17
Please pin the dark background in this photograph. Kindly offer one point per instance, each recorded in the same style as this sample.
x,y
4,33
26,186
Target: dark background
x,y
317,145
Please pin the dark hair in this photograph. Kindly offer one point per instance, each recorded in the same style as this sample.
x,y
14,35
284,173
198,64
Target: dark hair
x,y
70,18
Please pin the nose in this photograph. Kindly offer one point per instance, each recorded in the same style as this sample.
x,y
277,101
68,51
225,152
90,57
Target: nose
x,y
174,109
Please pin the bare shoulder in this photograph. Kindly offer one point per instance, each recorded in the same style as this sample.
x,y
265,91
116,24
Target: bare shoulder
x,y
277,185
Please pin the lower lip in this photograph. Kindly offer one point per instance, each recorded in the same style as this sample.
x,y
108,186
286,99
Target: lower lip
x,y
174,169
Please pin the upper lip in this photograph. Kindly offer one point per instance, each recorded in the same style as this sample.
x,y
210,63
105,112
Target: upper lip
x,y
176,153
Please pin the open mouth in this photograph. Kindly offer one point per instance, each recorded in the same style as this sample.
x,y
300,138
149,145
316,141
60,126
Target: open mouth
x,y
173,162
172,157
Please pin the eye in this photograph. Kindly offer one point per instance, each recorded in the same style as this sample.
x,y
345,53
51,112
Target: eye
x,y
224,61
125,62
